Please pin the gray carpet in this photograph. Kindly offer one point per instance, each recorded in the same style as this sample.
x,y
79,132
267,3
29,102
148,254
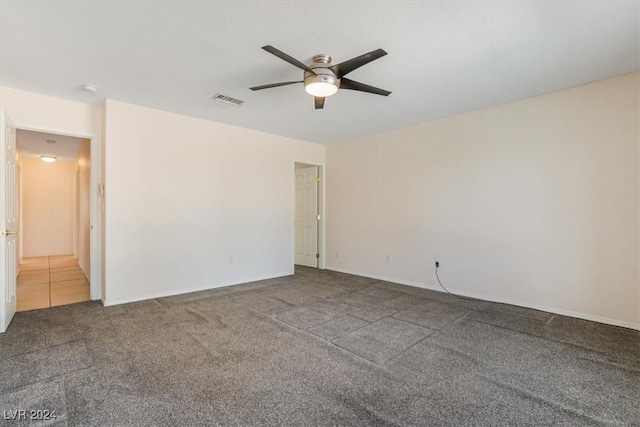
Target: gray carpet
x,y
318,348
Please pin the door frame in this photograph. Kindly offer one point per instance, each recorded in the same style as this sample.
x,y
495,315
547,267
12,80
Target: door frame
x,y
95,232
321,209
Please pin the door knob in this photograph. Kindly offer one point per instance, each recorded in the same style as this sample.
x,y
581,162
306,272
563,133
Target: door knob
x,y
7,232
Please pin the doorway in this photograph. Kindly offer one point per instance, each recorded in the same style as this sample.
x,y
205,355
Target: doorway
x,y
308,215
9,213
54,180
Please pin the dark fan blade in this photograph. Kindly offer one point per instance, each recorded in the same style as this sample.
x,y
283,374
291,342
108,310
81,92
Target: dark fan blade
x,y
319,102
346,67
272,85
353,85
290,59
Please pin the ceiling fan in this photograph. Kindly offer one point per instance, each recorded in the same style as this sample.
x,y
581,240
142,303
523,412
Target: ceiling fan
x,y
321,79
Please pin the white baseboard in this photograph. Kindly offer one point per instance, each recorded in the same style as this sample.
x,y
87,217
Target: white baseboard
x,y
577,315
109,303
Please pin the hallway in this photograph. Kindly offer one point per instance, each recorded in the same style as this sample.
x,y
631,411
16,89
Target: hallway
x,y
50,281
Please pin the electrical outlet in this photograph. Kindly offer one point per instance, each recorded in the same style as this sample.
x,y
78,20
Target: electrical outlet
x,y
230,260
388,258
436,258
337,254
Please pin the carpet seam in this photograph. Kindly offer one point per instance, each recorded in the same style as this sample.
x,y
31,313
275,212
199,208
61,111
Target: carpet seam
x,y
550,403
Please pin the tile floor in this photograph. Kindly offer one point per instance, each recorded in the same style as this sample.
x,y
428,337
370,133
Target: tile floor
x,y
50,281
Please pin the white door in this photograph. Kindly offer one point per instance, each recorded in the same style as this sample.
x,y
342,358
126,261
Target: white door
x,y
8,222
306,222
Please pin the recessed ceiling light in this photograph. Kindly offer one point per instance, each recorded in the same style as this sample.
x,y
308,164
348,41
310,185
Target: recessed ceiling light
x,y
88,87
48,159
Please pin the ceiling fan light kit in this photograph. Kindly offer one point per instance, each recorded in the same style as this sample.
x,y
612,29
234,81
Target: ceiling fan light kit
x,y
321,79
320,88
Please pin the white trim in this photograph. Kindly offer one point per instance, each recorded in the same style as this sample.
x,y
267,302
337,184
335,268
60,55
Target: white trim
x,y
64,132
94,234
553,310
163,294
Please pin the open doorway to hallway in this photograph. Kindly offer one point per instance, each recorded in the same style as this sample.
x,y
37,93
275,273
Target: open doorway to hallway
x,y
54,226
308,215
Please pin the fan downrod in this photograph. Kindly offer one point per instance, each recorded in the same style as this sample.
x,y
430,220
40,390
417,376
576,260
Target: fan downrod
x,y
322,58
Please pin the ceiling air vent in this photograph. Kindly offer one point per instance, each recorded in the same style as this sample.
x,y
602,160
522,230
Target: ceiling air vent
x,y
227,100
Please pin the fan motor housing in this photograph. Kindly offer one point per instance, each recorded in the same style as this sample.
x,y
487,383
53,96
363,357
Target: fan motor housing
x,y
322,73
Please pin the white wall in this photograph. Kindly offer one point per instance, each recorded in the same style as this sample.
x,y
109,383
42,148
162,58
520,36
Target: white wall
x,y
27,108
184,195
533,202
47,207
83,223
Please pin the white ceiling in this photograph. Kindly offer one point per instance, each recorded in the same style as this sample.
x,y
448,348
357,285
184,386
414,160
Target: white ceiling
x,y
34,144
444,57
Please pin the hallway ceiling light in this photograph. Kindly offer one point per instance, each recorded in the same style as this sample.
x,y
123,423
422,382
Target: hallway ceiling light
x,y
48,159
